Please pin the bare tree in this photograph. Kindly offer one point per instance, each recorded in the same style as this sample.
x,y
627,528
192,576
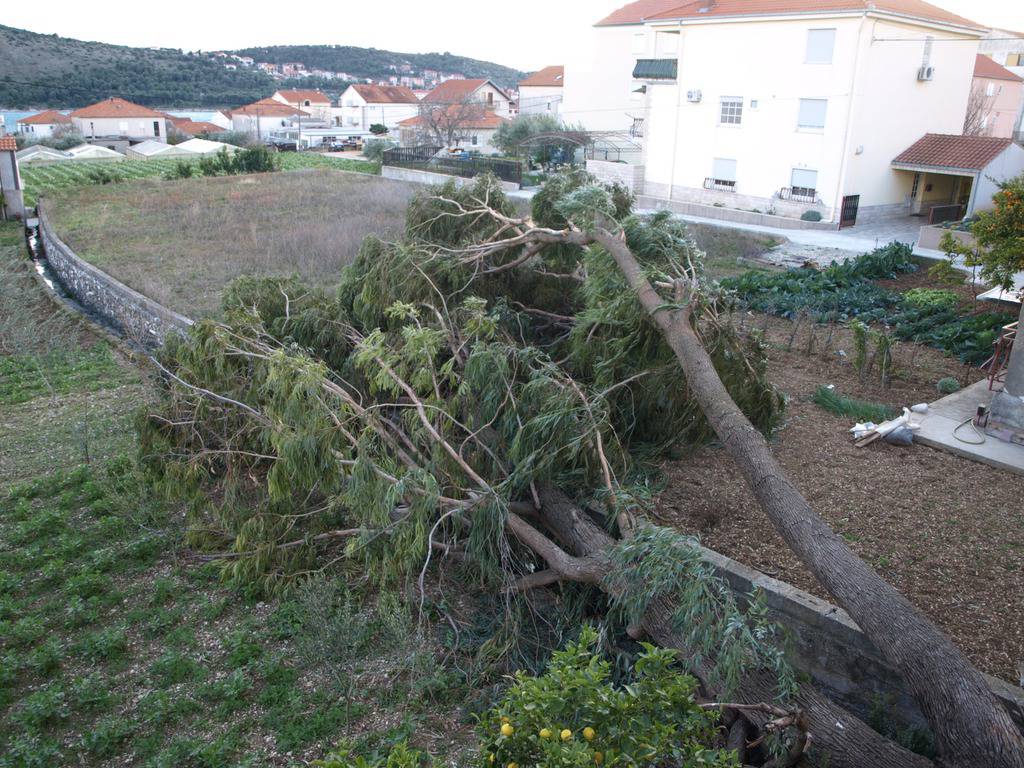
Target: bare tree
x,y
979,107
449,123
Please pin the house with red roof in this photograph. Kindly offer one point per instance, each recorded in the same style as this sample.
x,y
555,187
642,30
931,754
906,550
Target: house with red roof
x,y
996,102
797,108
541,92
469,125
478,90
119,122
43,125
313,103
365,104
263,118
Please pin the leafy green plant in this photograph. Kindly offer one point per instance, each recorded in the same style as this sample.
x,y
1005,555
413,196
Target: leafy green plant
x,y
811,215
931,298
401,755
948,385
574,715
850,408
944,272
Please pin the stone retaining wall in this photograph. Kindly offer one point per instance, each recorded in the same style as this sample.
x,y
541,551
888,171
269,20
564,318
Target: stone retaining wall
x,y
138,318
608,172
428,177
724,213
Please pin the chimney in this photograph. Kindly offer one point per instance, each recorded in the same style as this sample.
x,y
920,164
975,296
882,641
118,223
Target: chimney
x,y
705,6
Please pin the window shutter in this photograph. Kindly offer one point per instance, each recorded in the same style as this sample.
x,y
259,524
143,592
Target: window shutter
x,y
805,178
723,169
820,43
812,113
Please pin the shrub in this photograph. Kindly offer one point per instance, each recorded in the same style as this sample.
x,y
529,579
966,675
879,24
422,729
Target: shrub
x,y
182,170
848,407
811,216
948,385
574,715
374,149
378,129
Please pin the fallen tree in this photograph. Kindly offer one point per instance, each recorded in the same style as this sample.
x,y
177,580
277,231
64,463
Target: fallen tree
x,y
459,377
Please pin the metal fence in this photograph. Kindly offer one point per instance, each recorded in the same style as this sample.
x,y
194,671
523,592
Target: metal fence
x,y
425,158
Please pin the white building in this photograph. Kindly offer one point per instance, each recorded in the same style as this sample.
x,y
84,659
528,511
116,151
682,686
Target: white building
x,y
361,106
11,186
117,118
313,103
214,117
464,91
1007,49
785,107
44,124
262,118
471,127
541,92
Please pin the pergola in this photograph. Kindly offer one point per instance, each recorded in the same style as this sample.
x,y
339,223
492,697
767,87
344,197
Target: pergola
x,y
596,145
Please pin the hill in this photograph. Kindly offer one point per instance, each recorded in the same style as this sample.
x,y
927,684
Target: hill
x,y
377,64
52,71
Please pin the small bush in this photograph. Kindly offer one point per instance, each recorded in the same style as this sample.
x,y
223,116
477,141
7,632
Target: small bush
x,y
374,149
378,129
811,216
947,386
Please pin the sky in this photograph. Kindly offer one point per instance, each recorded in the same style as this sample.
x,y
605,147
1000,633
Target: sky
x,y
534,34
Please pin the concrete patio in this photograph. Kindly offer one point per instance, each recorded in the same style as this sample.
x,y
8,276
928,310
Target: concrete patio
x,y
941,428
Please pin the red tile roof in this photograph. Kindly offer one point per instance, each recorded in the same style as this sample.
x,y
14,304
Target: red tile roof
x,y
647,10
939,150
386,94
454,91
115,107
195,128
988,69
47,117
484,121
297,97
8,144
269,108
549,76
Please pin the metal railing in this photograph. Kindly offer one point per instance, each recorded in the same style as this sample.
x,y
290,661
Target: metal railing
x,y
722,185
425,158
937,214
799,194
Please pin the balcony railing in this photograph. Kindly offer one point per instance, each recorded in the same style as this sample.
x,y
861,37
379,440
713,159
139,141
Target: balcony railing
x,y
722,185
799,194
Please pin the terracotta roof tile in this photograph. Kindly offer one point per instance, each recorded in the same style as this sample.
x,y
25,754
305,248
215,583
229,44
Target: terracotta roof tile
x,y
115,107
269,108
8,144
549,76
46,117
647,10
297,97
987,68
453,91
484,121
386,94
939,150
197,128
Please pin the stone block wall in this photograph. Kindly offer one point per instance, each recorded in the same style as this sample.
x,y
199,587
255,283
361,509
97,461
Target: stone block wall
x,y
428,177
138,318
629,176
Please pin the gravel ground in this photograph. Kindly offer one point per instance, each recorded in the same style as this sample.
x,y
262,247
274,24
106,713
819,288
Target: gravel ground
x,y
947,532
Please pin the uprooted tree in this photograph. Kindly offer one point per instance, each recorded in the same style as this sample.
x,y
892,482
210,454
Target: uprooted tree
x,y
485,394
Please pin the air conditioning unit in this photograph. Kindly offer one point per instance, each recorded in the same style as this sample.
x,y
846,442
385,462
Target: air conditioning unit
x,y
693,96
925,73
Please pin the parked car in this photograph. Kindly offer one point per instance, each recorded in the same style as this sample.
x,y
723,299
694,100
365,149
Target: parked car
x,y
283,145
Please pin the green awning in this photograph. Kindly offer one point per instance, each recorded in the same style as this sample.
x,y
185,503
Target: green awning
x,y
655,69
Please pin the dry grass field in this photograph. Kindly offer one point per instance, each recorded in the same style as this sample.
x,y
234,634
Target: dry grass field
x,y
181,242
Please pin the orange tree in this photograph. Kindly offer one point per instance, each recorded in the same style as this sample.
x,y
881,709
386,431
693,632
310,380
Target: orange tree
x,y
1000,235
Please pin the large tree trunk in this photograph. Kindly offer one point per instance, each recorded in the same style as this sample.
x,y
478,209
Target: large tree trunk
x,y
840,740
971,727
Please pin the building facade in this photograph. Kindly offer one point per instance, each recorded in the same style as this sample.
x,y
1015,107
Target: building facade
x,y
996,101
541,92
361,106
44,124
799,109
462,91
315,104
117,118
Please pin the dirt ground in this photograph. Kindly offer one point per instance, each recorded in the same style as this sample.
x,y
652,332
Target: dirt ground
x,y
947,532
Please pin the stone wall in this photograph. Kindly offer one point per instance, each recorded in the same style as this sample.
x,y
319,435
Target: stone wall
x,y
427,177
831,649
726,213
138,318
931,236
607,172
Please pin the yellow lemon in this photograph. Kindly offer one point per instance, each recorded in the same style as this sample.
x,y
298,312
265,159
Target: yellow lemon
x,y
598,758
566,734
513,765
507,730
545,733
588,734
490,758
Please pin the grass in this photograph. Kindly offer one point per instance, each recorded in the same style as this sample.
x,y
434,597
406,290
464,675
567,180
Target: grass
x,y
851,408
730,252
180,242
44,179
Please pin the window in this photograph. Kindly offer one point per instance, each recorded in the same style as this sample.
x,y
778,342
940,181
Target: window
x,y
820,43
926,58
812,113
1015,60
306,103
156,127
723,175
990,89
122,126
472,140
731,110
666,45
804,183
639,43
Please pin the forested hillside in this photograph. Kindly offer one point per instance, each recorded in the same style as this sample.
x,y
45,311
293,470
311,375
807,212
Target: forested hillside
x,y
51,71
375,63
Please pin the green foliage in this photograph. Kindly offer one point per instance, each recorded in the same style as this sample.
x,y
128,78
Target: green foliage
x,y
811,215
944,272
947,385
931,299
59,371
851,408
378,129
400,755
258,159
373,149
512,133
1000,235
573,715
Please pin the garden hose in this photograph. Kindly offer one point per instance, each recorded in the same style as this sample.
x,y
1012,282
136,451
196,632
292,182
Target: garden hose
x,y
964,423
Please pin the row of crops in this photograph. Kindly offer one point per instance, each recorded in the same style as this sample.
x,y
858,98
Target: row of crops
x,y
40,179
